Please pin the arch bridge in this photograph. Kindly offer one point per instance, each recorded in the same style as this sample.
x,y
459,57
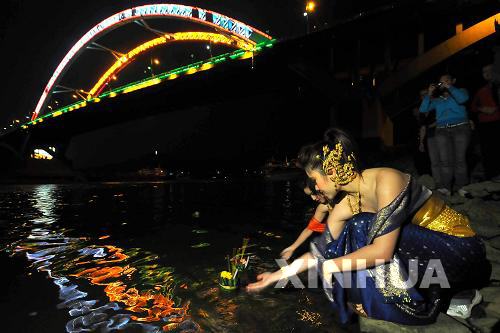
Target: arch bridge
x,y
246,39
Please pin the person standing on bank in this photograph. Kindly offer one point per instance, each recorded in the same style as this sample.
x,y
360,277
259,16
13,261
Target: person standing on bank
x,y
453,132
485,104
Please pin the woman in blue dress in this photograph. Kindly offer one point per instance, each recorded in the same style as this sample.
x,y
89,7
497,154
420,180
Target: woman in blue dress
x,y
391,250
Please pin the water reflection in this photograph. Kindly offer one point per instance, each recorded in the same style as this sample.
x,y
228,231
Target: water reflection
x,y
44,199
131,279
287,200
111,251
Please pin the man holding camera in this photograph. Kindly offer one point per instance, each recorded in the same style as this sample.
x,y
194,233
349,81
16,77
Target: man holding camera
x,y
452,134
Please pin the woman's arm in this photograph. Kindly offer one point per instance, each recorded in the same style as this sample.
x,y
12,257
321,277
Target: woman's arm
x,y
460,95
319,215
299,265
336,220
427,104
304,235
377,253
389,184
321,212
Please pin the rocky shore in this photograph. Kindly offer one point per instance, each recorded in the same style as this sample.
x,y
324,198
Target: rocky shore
x,y
483,209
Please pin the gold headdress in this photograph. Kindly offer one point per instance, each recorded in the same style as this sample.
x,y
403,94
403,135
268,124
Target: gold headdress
x,y
332,160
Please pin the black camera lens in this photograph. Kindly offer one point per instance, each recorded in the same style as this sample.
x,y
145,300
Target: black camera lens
x,y
439,90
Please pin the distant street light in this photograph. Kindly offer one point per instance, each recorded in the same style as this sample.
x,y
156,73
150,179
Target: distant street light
x,y
311,5
209,50
150,67
307,22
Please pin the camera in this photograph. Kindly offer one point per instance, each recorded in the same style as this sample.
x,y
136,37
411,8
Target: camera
x,y
439,90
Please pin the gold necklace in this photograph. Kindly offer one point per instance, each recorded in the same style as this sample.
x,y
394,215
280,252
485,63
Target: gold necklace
x,y
357,209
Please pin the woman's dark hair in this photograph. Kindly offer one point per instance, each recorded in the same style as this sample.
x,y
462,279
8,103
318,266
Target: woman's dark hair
x,y
308,160
311,185
308,183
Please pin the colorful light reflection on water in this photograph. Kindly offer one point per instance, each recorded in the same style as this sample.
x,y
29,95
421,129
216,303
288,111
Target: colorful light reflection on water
x,y
124,259
68,260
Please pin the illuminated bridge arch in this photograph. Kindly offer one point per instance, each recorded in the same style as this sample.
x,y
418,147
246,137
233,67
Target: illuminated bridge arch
x,y
202,16
125,60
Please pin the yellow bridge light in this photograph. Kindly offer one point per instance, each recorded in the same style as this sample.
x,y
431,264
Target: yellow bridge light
x,y
215,38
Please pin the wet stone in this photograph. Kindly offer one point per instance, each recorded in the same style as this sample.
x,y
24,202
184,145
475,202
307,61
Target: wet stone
x,y
495,271
492,254
495,242
427,181
487,324
483,189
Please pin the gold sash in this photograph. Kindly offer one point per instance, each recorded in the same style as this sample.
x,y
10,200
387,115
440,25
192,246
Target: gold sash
x,y
436,215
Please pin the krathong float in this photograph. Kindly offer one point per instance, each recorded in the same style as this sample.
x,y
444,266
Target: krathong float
x,y
236,264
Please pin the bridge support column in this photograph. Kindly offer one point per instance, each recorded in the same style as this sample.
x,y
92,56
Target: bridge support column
x,y
421,44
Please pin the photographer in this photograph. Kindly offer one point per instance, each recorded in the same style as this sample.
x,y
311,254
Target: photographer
x,y
452,134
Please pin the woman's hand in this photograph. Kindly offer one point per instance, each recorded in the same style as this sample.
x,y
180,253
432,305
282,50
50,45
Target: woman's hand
x,y
431,89
472,125
287,253
263,280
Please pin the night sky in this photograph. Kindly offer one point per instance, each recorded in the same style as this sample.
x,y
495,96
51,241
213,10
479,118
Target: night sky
x,y
35,36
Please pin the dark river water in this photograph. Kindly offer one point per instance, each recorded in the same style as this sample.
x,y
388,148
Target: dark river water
x,y
145,257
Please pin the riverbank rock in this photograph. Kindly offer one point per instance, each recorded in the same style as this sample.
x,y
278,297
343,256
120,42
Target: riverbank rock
x,y
444,324
427,181
483,189
484,215
483,210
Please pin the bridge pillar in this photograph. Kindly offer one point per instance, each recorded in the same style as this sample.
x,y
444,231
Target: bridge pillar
x,y
420,44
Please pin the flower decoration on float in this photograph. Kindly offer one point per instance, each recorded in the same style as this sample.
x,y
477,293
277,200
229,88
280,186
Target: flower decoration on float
x,y
237,263
332,161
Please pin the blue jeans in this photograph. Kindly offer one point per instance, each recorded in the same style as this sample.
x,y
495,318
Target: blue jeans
x,y
432,149
452,143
